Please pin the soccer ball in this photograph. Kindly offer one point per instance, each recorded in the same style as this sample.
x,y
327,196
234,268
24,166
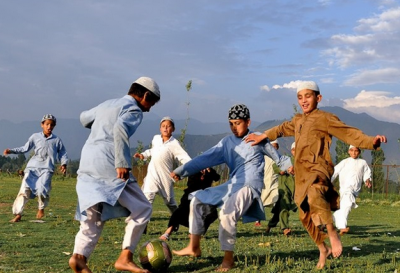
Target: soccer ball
x,y
155,256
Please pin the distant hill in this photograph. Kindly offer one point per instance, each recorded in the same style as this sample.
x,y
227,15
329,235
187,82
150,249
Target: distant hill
x,y
200,136
366,123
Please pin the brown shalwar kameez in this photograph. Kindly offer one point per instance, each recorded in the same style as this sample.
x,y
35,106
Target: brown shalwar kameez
x,y
314,193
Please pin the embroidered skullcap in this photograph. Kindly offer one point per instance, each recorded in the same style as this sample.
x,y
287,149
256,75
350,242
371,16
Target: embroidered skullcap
x,y
167,118
293,146
149,84
310,85
49,116
239,111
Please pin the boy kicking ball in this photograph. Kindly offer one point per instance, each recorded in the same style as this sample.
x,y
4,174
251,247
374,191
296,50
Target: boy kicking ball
x,y
314,194
239,197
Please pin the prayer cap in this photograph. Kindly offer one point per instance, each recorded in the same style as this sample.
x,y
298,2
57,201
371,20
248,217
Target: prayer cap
x,y
149,84
310,85
239,111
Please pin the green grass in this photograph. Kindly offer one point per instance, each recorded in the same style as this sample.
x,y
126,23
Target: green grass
x,y
46,247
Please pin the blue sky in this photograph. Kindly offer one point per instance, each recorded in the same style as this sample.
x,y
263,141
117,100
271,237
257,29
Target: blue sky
x,y
63,57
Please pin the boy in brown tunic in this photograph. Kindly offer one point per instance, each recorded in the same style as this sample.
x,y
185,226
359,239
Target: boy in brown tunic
x,y
314,193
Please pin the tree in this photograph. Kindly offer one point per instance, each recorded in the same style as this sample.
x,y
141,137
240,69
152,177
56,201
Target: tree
x,y
183,131
378,176
341,151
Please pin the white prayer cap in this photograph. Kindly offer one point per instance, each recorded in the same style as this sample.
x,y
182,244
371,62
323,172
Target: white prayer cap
x,y
149,84
310,85
167,118
293,145
351,146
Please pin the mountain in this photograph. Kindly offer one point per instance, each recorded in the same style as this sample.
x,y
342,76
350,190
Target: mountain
x,y
364,122
199,136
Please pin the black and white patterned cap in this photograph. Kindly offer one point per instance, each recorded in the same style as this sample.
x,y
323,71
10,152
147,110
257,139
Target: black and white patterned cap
x,y
239,111
49,116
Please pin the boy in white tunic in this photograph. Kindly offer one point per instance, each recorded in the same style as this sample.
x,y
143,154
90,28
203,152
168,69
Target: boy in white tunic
x,y
106,188
352,172
239,197
40,168
165,151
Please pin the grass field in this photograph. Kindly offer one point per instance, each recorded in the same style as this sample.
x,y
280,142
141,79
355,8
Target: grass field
x,y
46,247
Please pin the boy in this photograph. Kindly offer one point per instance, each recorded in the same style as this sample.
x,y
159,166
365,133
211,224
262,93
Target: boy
x,y
239,196
197,181
352,171
270,191
165,151
285,202
40,168
106,189
315,195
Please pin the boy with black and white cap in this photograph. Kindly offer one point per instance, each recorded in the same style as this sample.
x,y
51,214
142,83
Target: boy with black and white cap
x,y
314,195
40,168
239,197
352,172
106,188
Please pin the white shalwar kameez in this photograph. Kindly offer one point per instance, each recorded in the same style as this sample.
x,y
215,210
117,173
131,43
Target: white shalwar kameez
x,y
239,197
352,172
39,170
164,155
101,195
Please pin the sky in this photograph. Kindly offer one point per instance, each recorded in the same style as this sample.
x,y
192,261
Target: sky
x,y
64,57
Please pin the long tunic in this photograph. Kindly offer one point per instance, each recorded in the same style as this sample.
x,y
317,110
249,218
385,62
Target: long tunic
x,y
313,136
163,157
47,150
352,173
246,169
112,123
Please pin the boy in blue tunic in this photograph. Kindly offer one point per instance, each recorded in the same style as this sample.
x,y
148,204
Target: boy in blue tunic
x,y
106,188
239,197
40,168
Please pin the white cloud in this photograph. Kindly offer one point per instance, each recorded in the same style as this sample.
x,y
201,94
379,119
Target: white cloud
x,y
369,77
375,42
265,88
379,104
290,85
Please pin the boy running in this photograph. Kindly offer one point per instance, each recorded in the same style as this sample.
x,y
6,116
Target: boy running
x,y
40,168
314,195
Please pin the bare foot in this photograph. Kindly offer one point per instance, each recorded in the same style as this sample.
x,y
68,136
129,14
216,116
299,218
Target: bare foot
x,y
125,263
343,231
78,264
16,219
164,237
188,251
287,231
324,253
336,244
40,214
227,263
225,267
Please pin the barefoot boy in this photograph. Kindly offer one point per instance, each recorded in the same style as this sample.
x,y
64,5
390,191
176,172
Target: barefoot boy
x,y
40,168
352,171
314,194
239,196
165,151
106,188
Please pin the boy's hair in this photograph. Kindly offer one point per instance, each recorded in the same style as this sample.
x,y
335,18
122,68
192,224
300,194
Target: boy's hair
x,y
49,116
239,111
139,90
